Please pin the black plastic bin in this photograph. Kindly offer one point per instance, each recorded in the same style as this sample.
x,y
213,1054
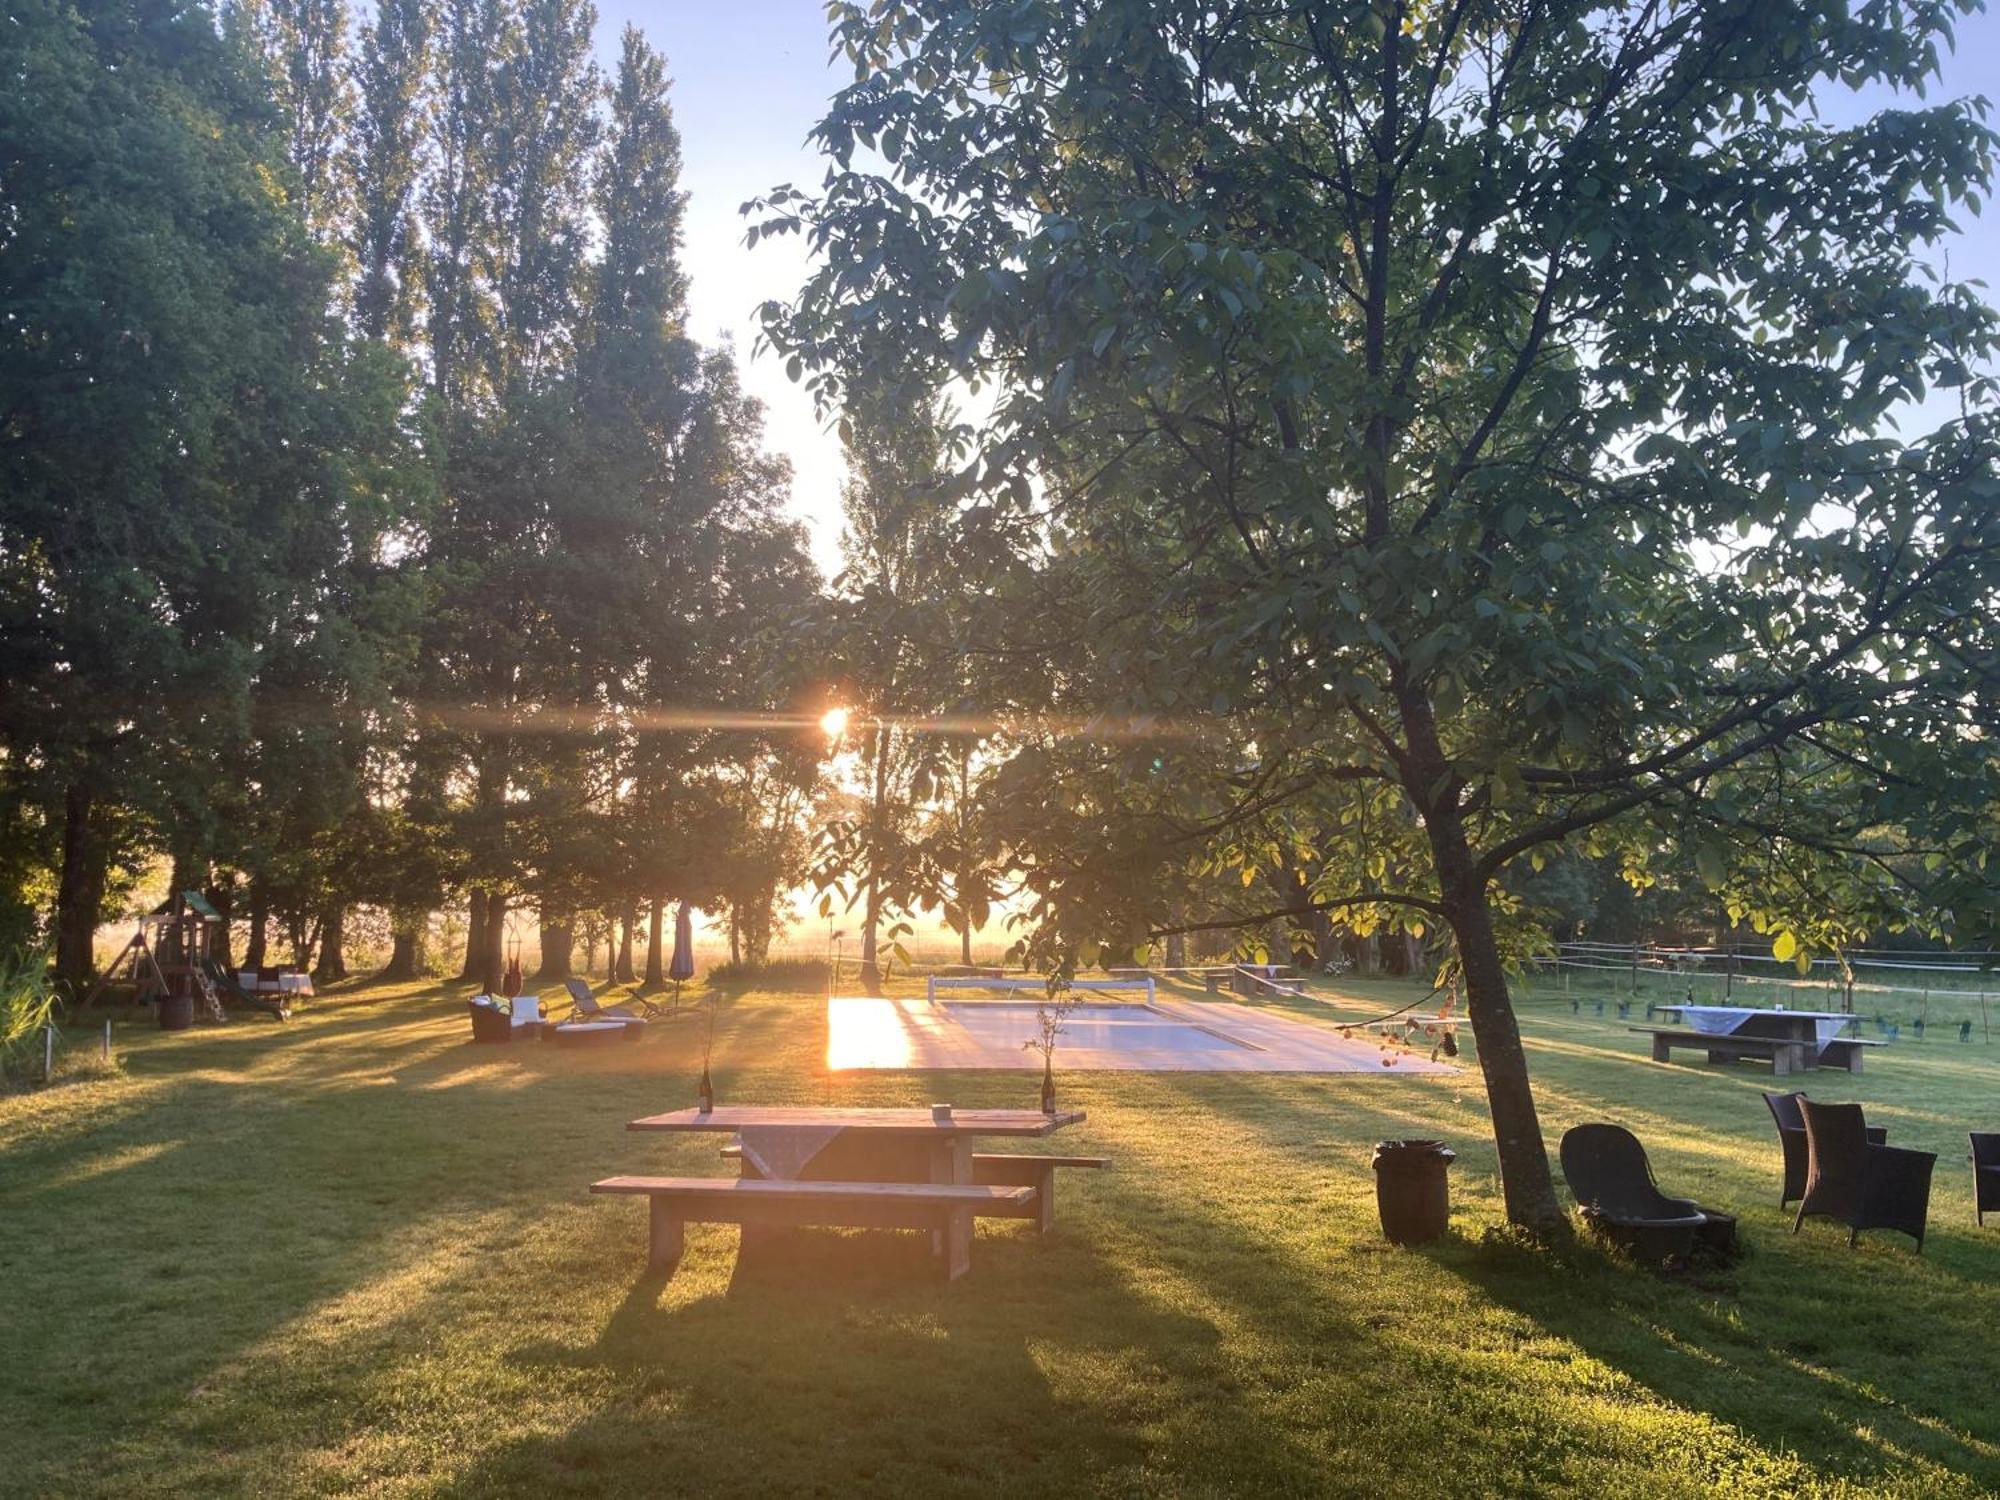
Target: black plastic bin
x,y
1411,1190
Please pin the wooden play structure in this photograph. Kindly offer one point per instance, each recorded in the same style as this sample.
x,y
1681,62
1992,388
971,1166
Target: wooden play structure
x,y
168,961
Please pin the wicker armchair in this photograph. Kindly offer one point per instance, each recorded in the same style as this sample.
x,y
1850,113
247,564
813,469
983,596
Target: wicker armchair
x,y
1612,1181
1859,1182
1792,1140
1985,1173
489,1022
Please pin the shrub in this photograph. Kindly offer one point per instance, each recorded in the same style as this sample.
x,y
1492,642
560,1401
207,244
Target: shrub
x,y
27,1005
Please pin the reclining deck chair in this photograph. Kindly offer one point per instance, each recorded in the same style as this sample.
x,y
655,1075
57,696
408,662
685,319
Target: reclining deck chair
x,y
586,1008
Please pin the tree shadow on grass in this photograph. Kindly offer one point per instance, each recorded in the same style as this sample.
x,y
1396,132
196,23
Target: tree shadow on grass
x,y
826,1360
1823,1370
1860,1362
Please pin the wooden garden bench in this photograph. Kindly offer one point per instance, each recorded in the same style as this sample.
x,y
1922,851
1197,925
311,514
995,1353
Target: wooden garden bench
x,y
1006,1169
1845,1052
1784,1056
946,1209
1010,1169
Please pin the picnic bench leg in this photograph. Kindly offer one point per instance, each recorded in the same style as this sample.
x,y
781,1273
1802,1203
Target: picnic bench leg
x,y
951,1161
666,1235
1715,1058
1781,1060
957,1242
1662,1049
1045,1200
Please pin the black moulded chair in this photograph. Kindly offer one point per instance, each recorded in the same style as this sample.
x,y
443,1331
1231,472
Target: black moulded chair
x,y
1861,1183
1612,1181
1792,1139
1985,1173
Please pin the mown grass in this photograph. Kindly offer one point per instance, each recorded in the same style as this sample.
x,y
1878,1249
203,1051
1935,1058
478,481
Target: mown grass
x,y
354,1253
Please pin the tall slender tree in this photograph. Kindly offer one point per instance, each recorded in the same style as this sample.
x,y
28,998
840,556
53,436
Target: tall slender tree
x,y
389,148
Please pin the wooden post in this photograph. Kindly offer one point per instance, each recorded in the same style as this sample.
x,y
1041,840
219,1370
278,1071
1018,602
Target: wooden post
x,y
666,1234
48,1052
107,1039
1635,966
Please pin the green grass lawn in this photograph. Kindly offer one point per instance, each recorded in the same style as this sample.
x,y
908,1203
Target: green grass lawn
x,y
355,1253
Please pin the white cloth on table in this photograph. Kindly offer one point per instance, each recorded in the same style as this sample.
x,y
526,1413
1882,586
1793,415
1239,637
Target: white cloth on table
x,y
1714,1020
781,1152
1721,1020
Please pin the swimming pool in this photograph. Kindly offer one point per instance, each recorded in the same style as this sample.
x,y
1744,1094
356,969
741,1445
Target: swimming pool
x,y
1107,1028
1177,1036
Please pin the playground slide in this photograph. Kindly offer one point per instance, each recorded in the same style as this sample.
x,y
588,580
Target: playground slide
x,y
226,985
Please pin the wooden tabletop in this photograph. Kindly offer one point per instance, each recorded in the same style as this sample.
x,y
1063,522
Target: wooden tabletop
x,y
732,1118
1754,1010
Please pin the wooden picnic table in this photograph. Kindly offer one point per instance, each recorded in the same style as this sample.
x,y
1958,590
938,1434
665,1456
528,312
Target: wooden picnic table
x,y
1814,1035
859,1145
729,1119
866,1148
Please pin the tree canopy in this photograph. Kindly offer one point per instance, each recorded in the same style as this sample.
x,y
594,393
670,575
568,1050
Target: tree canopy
x,y
1482,414
366,502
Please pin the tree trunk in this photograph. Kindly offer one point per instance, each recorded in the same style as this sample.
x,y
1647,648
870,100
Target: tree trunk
x,y
223,898
757,934
623,971
79,890
332,963
406,957
1517,1131
1525,1181
871,969
558,949
735,936
257,945
493,957
656,963
475,936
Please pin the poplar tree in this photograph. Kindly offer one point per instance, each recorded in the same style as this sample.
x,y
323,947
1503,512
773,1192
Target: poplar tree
x,y
389,148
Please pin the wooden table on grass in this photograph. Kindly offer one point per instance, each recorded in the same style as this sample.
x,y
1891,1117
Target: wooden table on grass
x,y
1813,1034
787,1143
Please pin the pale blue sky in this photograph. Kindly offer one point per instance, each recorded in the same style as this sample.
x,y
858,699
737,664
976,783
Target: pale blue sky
x,y
751,78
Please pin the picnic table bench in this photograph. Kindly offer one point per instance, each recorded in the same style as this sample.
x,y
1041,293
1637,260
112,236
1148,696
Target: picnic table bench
x,y
945,1208
1002,1169
1785,1054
